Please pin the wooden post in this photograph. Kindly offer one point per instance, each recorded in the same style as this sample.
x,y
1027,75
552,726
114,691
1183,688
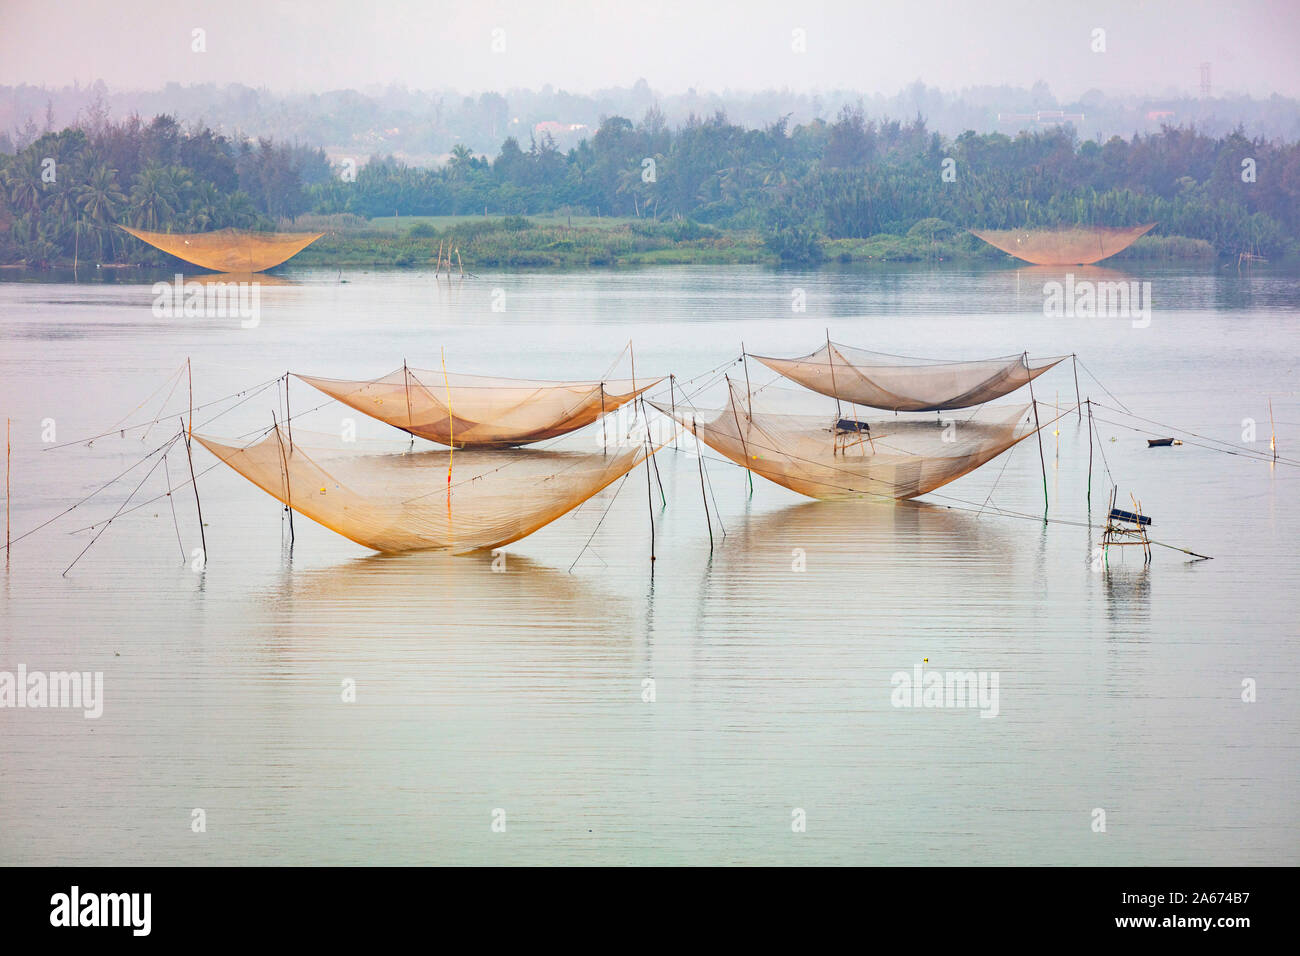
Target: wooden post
x,y
604,438
460,265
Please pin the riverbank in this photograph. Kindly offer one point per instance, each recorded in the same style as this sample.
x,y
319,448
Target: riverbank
x,y
518,242
481,243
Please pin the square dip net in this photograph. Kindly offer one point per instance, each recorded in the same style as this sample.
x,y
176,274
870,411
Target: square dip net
x,y
229,250
412,500
903,384
818,453
475,411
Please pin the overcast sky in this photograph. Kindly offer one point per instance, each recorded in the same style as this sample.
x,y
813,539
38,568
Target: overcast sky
x,y
1151,46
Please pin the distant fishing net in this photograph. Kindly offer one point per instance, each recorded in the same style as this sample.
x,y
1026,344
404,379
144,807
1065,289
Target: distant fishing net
x,y
819,454
403,502
473,411
229,250
901,384
1076,246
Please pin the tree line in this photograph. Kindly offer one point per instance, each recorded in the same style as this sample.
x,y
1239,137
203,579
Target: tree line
x,y
851,178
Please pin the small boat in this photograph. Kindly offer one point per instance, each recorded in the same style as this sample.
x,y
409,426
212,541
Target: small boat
x,y
1162,442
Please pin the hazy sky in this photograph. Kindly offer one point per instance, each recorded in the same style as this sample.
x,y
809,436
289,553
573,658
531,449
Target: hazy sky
x,y
1153,46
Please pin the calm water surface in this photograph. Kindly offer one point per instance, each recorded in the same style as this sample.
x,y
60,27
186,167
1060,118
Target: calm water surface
x,y
522,691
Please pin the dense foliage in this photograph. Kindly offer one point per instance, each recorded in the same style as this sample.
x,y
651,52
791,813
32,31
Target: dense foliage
x,y
64,195
796,187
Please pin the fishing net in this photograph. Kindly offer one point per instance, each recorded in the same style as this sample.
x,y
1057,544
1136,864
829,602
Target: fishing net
x,y
473,411
1077,246
901,384
403,501
814,452
229,250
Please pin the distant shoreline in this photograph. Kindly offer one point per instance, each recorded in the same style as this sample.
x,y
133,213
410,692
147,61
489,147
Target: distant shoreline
x,y
622,243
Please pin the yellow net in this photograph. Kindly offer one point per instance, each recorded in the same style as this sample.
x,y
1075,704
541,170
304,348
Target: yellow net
x,y
229,250
1079,245
406,502
904,384
475,411
818,454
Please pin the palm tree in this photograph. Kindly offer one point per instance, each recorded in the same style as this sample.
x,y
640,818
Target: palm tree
x,y
100,200
462,160
154,198
24,186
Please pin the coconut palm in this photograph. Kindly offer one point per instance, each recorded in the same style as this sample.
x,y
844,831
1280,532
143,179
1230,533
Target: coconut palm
x,y
101,200
154,198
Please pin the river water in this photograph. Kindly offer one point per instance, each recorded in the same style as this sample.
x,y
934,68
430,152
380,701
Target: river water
x,y
505,716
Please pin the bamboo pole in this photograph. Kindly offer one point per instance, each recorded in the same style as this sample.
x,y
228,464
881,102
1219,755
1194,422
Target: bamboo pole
x,y
451,427
1038,430
288,488
288,414
406,380
1078,406
741,432
672,394
604,438
749,396
830,360
8,464
650,501
1272,428
653,461
198,505
699,460
1090,427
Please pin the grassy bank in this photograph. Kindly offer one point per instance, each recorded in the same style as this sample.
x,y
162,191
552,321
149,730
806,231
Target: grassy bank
x,y
558,241
551,241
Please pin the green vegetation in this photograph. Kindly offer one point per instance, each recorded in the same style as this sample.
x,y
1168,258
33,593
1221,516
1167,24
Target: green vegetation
x,y
709,191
